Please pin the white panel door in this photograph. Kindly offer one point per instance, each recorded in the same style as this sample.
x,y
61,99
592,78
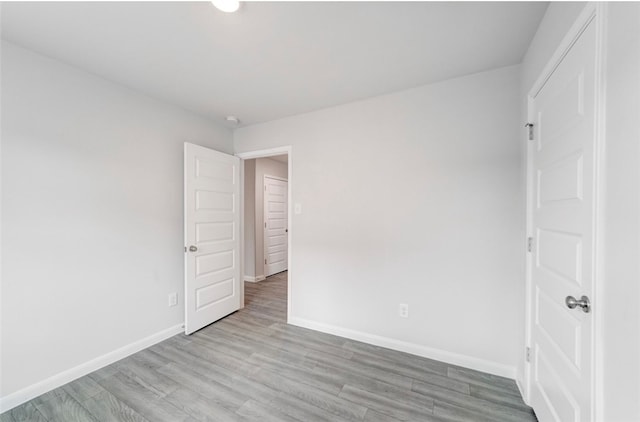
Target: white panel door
x,y
275,225
212,233
563,213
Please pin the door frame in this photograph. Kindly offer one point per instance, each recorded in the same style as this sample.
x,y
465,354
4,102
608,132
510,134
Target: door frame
x,y
264,216
595,12
266,153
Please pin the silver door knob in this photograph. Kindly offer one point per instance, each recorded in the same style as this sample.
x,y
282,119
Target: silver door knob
x,y
193,248
583,303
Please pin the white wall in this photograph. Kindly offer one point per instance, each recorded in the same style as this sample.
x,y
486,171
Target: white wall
x,y
410,198
264,167
92,239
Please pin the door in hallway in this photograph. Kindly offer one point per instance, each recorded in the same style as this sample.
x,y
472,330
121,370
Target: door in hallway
x,y
275,225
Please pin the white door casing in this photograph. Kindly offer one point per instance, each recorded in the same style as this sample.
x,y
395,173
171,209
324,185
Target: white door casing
x,y
275,225
212,235
563,208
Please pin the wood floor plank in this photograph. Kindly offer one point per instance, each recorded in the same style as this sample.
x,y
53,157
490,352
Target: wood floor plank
x,y
426,372
309,334
480,406
298,372
146,376
26,412
233,363
396,356
304,411
373,416
499,397
311,395
259,412
83,388
452,413
103,373
361,369
265,343
105,407
214,391
494,382
218,374
143,401
201,408
395,405
64,408
41,399
6,417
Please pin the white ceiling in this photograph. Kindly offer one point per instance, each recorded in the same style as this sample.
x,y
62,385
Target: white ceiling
x,y
274,59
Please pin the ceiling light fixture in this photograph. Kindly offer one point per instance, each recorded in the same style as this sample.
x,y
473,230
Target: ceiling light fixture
x,y
228,6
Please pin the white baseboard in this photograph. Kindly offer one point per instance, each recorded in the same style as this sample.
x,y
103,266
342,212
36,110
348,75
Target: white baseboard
x,y
252,279
521,389
470,362
62,378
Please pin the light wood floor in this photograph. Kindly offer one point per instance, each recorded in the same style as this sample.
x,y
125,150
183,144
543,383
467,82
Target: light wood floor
x,y
252,366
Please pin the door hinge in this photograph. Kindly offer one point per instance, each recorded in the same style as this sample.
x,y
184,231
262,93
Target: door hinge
x,y
265,261
530,127
530,244
528,354
185,248
265,224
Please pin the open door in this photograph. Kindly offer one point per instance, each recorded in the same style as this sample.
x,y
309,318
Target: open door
x,y
563,243
275,225
212,235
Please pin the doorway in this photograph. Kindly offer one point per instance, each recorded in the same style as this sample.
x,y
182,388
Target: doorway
x,y
266,206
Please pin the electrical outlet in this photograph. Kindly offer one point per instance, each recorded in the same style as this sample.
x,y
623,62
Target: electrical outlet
x,y
297,208
173,299
403,310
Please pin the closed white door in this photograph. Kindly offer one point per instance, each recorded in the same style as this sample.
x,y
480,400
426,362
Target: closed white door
x,y
275,225
563,215
212,233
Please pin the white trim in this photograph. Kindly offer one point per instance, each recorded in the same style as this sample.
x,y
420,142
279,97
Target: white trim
x,y
466,361
264,153
269,153
252,279
282,179
62,378
592,12
521,389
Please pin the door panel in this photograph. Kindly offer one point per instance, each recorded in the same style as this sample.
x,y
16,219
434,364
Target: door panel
x,y
212,218
563,220
276,221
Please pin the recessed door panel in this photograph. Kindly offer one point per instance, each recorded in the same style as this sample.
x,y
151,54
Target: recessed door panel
x,y
561,254
561,181
214,232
